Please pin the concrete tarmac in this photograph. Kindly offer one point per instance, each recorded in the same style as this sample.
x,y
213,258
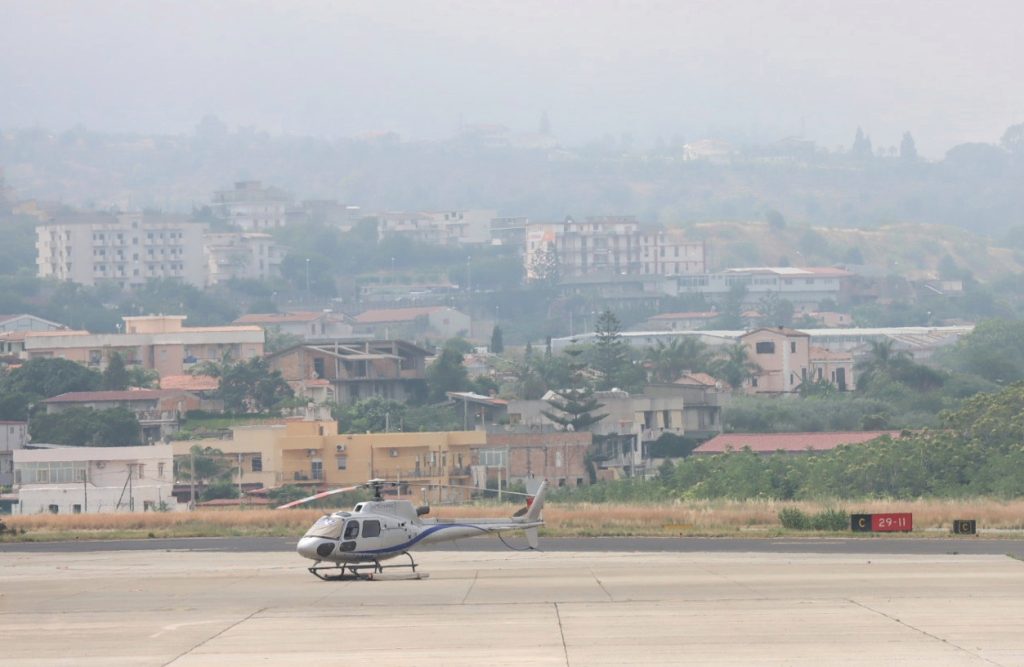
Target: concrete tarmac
x,y
188,608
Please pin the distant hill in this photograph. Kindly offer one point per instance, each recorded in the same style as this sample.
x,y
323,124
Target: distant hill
x,y
910,250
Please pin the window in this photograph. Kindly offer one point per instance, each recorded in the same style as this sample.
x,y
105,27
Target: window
x,y
492,457
316,469
342,462
371,528
753,382
53,509
318,367
257,462
351,530
792,346
765,347
76,509
160,470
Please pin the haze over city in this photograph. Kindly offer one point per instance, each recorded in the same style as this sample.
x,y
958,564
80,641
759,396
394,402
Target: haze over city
x,y
742,71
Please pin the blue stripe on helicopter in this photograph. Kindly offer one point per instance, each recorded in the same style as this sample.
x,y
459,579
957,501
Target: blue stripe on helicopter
x,y
428,531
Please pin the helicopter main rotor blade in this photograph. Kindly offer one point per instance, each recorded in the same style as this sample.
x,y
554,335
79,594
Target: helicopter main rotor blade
x,y
318,496
475,488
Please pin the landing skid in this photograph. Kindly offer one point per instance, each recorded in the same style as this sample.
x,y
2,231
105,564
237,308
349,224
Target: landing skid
x,y
367,571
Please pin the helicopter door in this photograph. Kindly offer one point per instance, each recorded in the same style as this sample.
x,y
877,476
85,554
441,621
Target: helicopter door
x,y
370,539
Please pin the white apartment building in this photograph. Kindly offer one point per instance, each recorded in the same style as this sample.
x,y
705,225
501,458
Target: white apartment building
x,y
78,480
805,287
613,244
244,255
463,227
126,249
252,206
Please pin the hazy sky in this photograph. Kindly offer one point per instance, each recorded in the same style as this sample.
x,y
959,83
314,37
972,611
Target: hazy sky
x,y
745,69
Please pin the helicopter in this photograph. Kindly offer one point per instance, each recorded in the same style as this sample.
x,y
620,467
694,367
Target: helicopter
x,y
351,545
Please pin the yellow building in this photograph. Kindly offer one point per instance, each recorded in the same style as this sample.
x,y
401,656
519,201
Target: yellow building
x,y
312,453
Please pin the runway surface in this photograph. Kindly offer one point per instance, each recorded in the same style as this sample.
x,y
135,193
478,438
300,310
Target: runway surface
x,y
188,603
837,545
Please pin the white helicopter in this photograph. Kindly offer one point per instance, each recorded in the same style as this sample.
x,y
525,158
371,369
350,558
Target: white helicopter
x,y
344,545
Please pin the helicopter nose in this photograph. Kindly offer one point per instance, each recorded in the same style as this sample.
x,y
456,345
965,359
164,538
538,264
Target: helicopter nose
x,y
314,548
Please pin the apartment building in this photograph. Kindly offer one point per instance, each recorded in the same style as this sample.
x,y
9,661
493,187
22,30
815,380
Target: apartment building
x,y
251,206
159,411
313,453
125,249
455,227
804,287
612,244
241,255
158,342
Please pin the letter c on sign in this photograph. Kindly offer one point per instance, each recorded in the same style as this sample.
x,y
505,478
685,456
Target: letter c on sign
x,y
862,522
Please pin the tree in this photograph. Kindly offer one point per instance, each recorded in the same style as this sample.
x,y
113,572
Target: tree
x,y
544,267
774,219
209,463
908,149
733,365
576,405
447,373
50,377
115,377
1013,139
730,315
667,361
143,378
252,386
882,358
611,353
861,148
497,344
776,311
78,426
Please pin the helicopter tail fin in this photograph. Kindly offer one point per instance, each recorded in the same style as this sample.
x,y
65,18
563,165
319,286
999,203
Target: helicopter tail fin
x,y
531,537
533,514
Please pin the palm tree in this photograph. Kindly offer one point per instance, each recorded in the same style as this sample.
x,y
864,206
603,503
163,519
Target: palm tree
x,y
683,353
882,357
733,366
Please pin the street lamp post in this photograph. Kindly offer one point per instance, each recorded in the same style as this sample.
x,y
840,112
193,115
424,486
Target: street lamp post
x,y
307,277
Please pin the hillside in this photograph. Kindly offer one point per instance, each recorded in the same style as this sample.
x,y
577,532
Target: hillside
x,y
912,250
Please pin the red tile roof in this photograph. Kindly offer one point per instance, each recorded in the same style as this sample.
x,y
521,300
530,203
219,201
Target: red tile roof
x,y
767,443
190,382
277,318
395,314
109,396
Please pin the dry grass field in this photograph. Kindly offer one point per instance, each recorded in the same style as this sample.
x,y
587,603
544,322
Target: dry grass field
x,y
721,517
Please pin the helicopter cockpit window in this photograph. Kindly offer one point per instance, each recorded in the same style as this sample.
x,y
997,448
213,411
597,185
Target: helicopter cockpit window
x,y
351,530
326,526
371,528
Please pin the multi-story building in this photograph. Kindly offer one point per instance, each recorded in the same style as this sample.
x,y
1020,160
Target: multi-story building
x,y
26,322
126,249
158,342
464,227
804,287
313,453
13,436
351,371
241,255
786,360
612,244
251,206
78,480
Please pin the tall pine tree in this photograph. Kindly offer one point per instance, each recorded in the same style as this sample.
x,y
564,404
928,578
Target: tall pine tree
x,y
575,406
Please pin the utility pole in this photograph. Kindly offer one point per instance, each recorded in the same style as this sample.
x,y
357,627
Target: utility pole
x,y
192,479
239,480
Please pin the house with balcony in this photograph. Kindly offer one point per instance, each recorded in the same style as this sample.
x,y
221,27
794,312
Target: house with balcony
x,y
786,359
159,411
311,452
354,370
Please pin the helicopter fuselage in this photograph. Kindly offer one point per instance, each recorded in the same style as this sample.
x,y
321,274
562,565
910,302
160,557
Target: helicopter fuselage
x,y
378,530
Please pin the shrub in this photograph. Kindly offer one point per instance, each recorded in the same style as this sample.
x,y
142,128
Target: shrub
x,y
831,519
794,519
